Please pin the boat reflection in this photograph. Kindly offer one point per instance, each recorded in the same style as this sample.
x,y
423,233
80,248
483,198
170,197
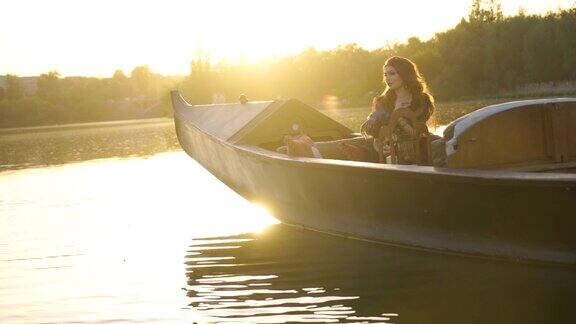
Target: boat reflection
x,y
288,274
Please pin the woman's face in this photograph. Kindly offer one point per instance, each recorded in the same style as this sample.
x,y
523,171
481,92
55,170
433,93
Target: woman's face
x,y
392,78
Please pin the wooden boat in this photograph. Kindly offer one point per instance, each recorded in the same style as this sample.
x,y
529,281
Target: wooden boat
x,y
508,190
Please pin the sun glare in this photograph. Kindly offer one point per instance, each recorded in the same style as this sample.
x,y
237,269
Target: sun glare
x,y
97,37
206,208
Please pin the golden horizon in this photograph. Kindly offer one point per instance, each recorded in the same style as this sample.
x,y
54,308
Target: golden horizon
x,y
95,38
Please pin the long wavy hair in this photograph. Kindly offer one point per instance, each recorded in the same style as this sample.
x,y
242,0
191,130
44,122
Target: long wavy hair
x,y
413,81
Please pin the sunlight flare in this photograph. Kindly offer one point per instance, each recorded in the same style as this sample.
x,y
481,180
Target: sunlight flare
x,y
97,37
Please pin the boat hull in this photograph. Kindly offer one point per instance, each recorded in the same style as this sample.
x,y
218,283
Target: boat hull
x,y
516,216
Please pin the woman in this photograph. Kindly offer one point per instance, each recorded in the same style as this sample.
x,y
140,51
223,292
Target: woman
x,y
405,88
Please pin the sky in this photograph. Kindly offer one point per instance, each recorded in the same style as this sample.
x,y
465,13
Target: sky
x,y
96,37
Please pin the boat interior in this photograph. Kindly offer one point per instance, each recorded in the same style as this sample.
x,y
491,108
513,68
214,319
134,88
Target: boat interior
x,y
526,136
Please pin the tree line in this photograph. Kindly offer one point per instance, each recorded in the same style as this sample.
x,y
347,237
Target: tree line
x,y
485,55
57,100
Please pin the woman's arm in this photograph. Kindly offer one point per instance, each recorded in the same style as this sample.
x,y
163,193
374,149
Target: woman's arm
x,y
372,125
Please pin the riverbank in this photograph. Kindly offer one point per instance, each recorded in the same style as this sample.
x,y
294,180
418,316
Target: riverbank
x,y
445,113
78,126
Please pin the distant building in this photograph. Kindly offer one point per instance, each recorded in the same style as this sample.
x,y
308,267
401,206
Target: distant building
x,y
29,83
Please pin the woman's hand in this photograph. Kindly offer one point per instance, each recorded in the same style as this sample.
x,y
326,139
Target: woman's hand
x,y
403,104
406,127
380,145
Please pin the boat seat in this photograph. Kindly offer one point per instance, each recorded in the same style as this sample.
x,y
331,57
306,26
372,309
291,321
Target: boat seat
x,y
534,136
408,149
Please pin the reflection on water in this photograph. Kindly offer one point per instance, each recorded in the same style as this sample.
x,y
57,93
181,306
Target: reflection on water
x,y
272,277
54,146
287,273
158,239
105,240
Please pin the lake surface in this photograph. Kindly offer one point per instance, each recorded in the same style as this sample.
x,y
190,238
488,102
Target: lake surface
x,y
117,225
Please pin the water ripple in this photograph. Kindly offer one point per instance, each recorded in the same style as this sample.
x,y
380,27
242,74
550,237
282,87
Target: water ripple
x,y
247,282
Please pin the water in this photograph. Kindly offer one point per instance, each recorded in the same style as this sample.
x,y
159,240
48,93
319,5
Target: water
x,y
117,225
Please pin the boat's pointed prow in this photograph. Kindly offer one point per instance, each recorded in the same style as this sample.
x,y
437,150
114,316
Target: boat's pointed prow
x,y
178,101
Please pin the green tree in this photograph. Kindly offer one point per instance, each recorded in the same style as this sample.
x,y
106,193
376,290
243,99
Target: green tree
x,y
119,86
483,11
566,41
48,85
199,85
143,81
119,75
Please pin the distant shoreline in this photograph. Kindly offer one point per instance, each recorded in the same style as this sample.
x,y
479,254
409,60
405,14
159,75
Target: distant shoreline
x,y
446,112
89,125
